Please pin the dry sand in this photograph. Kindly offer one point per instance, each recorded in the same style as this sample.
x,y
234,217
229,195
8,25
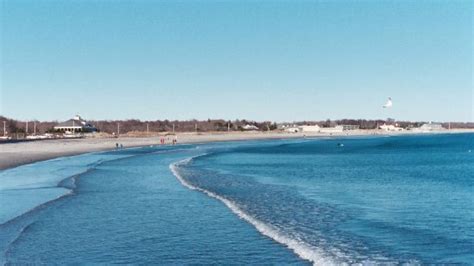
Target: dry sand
x,y
14,154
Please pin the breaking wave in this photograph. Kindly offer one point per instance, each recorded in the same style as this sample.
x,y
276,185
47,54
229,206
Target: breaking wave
x,y
300,248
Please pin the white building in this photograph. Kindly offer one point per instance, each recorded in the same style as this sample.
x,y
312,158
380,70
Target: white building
x,y
336,129
431,127
75,125
292,129
390,127
318,129
305,128
350,127
250,127
308,128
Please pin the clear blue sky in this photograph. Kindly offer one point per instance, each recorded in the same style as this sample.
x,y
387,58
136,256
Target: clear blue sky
x,y
258,60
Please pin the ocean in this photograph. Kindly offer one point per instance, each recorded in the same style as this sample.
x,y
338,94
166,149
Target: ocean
x,y
368,200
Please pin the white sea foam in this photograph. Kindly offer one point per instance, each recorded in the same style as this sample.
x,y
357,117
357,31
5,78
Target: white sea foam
x,y
300,248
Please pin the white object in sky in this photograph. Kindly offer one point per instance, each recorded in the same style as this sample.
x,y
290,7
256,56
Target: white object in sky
x,y
388,104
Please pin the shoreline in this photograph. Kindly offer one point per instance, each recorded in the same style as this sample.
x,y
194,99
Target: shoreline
x,y
21,153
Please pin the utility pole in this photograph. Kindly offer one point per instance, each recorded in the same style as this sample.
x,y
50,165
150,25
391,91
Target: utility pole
x,y
228,126
4,128
147,128
173,128
118,129
26,129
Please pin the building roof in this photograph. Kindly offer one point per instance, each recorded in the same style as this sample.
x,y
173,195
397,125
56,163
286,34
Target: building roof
x,y
76,122
249,127
431,125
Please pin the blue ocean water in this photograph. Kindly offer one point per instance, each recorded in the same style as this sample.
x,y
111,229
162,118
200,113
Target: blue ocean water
x,y
405,199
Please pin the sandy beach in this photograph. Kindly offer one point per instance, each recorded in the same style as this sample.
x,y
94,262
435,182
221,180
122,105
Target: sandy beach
x,y
15,154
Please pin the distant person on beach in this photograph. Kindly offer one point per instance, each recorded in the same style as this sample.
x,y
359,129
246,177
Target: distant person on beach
x,y
116,145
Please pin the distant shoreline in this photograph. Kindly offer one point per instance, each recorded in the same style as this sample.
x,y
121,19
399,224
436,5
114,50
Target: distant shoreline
x,y
20,153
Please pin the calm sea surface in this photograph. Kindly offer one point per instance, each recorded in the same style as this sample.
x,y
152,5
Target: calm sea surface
x,y
407,199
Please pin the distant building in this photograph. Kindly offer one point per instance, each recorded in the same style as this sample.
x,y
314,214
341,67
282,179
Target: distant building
x,y
250,127
336,129
390,127
308,128
289,128
75,125
296,128
318,129
350,127
431,127
292,129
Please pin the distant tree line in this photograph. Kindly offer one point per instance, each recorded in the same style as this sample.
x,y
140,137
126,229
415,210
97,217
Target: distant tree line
x,y
110,126
15,126
131,125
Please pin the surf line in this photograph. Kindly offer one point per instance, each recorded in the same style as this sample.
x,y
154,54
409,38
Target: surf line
x,y
301,249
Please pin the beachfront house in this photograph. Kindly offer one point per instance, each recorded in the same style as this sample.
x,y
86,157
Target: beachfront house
x,y
250,127
292,129
350,127
289,128
296,129
310,128
331,130
390,127
430,127
75,125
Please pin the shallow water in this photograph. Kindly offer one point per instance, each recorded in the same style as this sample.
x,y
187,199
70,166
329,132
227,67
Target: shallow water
x,y
374,200
134,210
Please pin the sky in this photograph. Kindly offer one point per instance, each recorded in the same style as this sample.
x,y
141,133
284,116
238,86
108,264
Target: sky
x,y
258,60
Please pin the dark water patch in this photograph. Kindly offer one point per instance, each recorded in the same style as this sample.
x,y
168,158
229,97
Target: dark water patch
x,y
313,223
401,199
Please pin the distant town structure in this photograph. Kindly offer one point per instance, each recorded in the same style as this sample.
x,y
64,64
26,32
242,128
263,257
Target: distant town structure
x,y
350,127
430,127
390,127
291,129
250,127
336,129
310,128
304,128
288,128
75,125
318,129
